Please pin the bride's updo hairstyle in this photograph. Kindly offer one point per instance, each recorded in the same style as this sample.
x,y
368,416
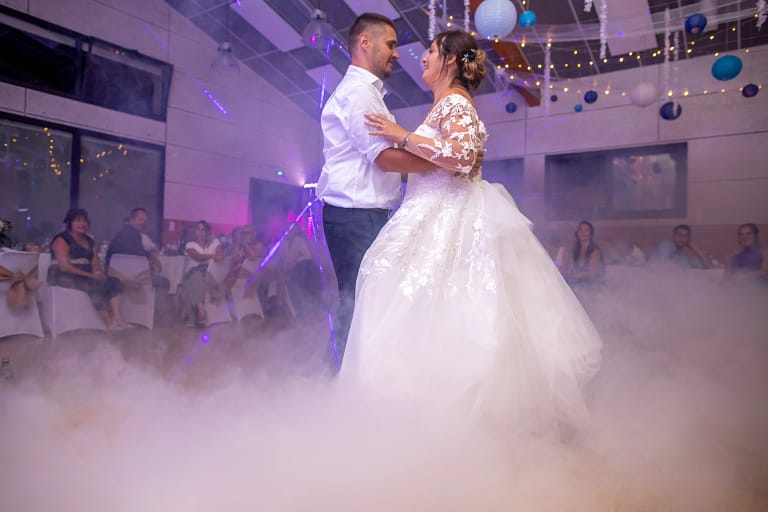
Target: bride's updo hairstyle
x,y
470,60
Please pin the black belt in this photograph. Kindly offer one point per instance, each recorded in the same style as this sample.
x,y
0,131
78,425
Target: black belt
x,y
375,210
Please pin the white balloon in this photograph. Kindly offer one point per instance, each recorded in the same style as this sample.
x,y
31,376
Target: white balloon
x,y
495,19
643,94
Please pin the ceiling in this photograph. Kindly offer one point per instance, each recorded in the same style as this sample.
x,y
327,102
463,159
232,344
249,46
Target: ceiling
x,y
266,37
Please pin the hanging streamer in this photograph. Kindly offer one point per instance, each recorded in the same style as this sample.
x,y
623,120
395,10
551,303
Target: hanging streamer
x,y
547,75
466,15
665,68
761,14
432,20
603,15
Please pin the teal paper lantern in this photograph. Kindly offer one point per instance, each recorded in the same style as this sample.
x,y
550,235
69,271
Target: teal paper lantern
x,y
726,67
527,19
578,107
495,19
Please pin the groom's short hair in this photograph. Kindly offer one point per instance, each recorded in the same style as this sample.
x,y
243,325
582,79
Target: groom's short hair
x,y
363,23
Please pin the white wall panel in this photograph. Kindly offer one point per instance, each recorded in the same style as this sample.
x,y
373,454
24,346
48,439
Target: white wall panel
x,y
19,5
193,167
210,135
74,113
728,202
11,97
191,202
736,157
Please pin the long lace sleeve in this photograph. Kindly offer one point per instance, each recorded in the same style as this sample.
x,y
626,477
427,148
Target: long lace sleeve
x,y
460,137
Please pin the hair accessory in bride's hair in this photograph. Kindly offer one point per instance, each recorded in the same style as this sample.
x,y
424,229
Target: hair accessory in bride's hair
x,y
469,56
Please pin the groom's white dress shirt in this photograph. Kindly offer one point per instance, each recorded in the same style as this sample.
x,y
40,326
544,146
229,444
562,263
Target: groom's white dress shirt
x,y
350,178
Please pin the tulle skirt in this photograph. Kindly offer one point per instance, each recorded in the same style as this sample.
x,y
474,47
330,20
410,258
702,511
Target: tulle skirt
x,y
460,307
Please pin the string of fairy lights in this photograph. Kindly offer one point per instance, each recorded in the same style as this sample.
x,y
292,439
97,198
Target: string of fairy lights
x,y
58,167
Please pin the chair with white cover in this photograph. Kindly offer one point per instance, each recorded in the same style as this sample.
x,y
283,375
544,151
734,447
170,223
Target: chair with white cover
x,y
68,309
138,304
42,272
18,284
216,307
245,294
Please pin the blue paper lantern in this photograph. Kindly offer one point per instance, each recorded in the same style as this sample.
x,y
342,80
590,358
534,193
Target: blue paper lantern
x,y
553,98
670,111
495,19
511,107
527,19
695,23
578,107
726,67
590,96
750,91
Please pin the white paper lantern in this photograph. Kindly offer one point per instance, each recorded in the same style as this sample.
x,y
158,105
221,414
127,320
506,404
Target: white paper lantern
x,y
643,94
495,19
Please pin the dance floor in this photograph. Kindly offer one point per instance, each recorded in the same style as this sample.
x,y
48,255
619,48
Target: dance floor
x,y
244,417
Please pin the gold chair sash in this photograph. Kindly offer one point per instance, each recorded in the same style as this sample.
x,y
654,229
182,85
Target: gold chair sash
x,y
23,286
133,286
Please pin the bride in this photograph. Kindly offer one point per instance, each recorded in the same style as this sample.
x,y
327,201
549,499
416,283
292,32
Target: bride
x,y
458,305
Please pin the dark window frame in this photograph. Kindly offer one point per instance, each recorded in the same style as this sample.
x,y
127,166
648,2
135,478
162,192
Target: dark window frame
x,y
679,152
81,42
77,135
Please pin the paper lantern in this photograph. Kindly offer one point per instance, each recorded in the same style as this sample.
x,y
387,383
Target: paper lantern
x,y
578,107
495,19
670,111
511,107
726,67
590,97
553,98
750,91
695,23
643,94
527,19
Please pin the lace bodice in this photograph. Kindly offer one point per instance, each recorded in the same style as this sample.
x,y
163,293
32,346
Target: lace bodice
x,y
452,136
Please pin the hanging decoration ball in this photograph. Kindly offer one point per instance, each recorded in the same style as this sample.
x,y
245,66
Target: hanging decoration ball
x,y
495,19
643,94
511,107
670,111
695,23
750,91
578,107
527,19
553,98
590,97
726,67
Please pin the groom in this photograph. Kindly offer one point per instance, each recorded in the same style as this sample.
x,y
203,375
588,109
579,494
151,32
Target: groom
x,y
360,182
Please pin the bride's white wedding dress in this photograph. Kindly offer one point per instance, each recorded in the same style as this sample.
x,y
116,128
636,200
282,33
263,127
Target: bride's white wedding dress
x,y
459,305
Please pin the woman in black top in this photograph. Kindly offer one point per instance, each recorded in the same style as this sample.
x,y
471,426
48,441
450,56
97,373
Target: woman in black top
x,y
75,264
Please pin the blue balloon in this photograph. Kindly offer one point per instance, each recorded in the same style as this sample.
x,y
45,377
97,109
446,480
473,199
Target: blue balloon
x,y
511,107
590,96
578,107
527,19
695,23
670,111
726,67
750,91
553,98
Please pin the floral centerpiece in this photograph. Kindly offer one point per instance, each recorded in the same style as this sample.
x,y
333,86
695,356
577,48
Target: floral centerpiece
x,y
5,233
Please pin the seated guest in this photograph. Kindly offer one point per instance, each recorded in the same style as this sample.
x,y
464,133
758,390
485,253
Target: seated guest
x,y
247,237
75,264
131,239
586,263
750,260
681,251
199,253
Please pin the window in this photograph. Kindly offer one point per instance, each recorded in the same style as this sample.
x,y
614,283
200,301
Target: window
x,y
648,182
42,56
47,169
